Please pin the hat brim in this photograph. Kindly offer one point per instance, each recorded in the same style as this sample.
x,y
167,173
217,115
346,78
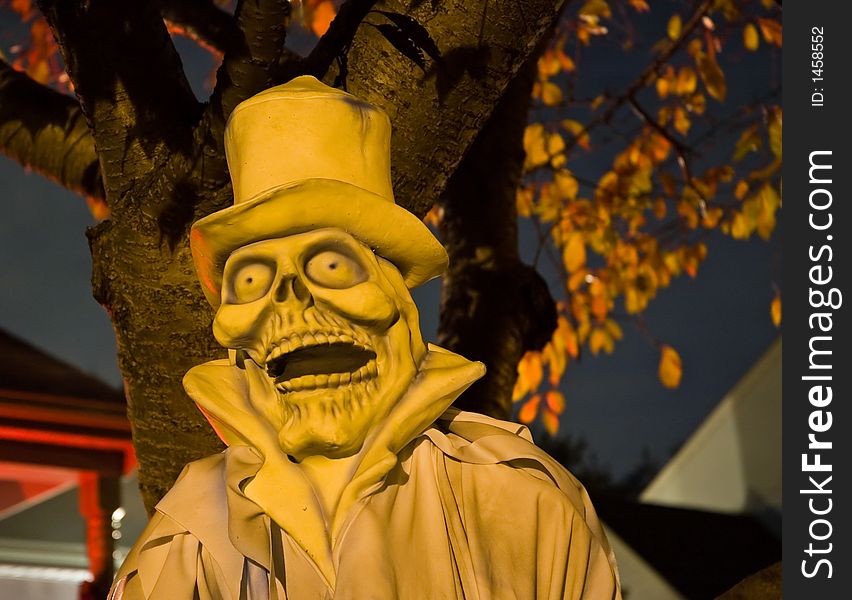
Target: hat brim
x,y
389,230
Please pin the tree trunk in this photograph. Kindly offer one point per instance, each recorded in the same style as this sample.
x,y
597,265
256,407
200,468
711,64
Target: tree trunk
x,y
493,307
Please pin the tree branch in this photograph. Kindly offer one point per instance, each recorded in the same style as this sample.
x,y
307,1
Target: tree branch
x,y
130,83
437,114
334,44
45,131
202,21
648,73
250,62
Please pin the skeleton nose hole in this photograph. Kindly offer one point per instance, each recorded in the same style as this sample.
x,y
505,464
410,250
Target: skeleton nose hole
x,y
292,287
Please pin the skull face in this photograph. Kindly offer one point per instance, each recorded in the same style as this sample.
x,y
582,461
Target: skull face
x,y
335,329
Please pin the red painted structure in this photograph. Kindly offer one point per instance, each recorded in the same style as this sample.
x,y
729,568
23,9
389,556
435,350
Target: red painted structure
x,y
52,415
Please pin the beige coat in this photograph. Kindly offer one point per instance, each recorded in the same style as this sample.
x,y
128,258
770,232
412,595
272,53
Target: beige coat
x,y
465,508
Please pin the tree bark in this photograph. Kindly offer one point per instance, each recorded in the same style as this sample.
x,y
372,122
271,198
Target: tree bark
x,y
493,307
161,160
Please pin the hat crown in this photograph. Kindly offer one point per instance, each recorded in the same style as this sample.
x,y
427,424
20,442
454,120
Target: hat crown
x,y
304,130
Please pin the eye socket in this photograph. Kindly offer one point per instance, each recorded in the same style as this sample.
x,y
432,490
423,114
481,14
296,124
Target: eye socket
x,y
250,282
333,269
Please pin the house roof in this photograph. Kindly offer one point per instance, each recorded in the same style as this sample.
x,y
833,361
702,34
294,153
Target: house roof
x,y
53,414
26,369
701,554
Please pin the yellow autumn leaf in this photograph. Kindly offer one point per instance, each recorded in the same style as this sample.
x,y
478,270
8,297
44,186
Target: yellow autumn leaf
x,y
749,141
674,26
687,80
775,311
577,129
775,132
671,369
681,121
662,85
566,184
614,329
529,409
596,8
524,201
574,253
551,94
750,37
712,76
555,150
557,359
741,189
548,65
711,217
601,340
569,336
768,202
535,146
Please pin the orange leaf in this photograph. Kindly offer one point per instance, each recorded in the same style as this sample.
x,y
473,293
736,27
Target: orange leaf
x,y
771,30
434,216
530,372
98,208
555,401
565,61
551,422
322,16
671,368
775,311
529,409
681,121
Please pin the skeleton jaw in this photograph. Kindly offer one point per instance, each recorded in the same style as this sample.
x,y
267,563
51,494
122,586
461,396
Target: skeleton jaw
x,y
320,359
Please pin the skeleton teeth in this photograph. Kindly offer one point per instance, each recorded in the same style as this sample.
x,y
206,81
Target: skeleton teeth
x,y
345,378
334,380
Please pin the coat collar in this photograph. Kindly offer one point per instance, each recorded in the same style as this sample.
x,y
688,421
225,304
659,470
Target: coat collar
x,y
256,470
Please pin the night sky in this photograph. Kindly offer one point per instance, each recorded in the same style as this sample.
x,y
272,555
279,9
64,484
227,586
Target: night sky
x,y
719,322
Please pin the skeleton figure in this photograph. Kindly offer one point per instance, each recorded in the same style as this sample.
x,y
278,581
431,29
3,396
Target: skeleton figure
x,y
347,474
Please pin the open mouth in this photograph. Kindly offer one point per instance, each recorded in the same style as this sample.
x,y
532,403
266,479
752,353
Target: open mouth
x,y
328,365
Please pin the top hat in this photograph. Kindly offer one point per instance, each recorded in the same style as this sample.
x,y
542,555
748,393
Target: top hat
x,y
304,156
